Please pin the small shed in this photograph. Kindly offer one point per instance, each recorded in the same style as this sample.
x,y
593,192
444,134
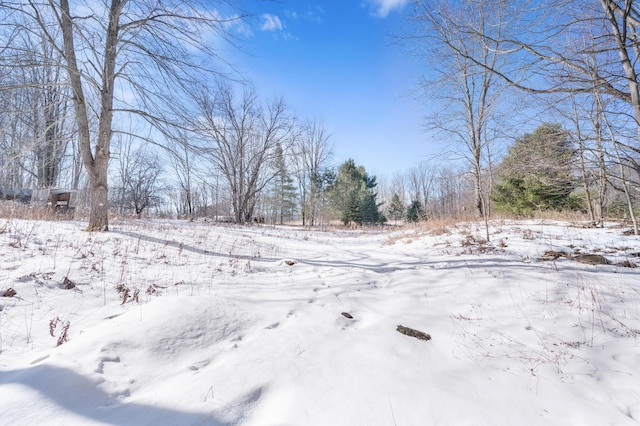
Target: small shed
x,y
59,199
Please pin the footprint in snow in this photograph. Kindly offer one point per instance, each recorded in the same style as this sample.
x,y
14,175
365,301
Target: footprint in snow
x,y
197,366
106,359
115,383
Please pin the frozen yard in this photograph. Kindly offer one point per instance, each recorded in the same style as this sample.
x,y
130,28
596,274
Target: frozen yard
x,y
176,323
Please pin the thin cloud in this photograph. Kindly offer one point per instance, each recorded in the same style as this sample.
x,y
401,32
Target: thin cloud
x,y
315,14
271,23
384,7
312,14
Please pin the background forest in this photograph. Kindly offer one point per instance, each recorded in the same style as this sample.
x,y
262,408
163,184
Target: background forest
x,y
132,106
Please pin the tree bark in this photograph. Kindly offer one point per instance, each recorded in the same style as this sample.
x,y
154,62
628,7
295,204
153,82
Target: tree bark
x,y
99,218
96,165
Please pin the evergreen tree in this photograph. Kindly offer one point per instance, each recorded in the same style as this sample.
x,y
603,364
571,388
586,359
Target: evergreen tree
x,y
353,197
351,212
396,208
536,174
283,190
323,181
370,213
415,212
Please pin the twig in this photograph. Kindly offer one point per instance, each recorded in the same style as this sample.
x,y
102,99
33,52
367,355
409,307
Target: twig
x,y
393,416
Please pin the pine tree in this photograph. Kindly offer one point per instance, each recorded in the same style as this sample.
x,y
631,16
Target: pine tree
x,y
370,213
353,197
396,208
351,212
415,212
536,174
283,189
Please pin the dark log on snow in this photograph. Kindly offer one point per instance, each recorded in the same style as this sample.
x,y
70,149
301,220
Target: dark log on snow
x,y
413,333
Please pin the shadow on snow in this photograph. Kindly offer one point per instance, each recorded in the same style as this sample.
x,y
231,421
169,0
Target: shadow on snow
x,y
83,396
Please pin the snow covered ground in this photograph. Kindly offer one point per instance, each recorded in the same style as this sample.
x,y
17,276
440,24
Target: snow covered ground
x,y
224,325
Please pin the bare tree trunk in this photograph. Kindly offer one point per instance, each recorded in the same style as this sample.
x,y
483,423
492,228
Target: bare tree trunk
x,y
602,176
464,61
99,216
583,163
623,179
626,190
96,165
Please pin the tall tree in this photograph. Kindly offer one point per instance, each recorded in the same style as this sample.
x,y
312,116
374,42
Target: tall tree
x,y
312,152
36,123
241,139
353,195
462,60
181,159
283,190
52,134
121,57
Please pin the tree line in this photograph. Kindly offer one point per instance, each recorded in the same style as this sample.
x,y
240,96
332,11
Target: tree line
x,y
498,65
538,109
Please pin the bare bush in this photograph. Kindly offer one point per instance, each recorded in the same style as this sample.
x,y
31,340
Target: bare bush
x,y
63,336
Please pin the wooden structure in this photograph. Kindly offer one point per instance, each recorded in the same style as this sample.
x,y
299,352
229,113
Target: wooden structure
x,y
59,199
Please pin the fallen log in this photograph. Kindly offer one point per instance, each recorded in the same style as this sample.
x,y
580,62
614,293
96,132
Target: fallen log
x,y
591,259
413,333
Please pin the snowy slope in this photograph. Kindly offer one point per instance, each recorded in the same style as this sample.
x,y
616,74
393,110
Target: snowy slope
x,y
223,331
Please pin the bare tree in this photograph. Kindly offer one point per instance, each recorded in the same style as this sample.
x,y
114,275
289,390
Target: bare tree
x,y
312,153
586,117
466,85
51,108
626,165
398,186
122,57
138,176
186,166
449,193
12,136
241,139
421,180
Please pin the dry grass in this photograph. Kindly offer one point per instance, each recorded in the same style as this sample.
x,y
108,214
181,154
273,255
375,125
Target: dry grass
x,y
564,216
125,293
14,210
439,226
63,335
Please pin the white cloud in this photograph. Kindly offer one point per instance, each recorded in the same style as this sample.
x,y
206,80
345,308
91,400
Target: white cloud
x,y
271,23
384,7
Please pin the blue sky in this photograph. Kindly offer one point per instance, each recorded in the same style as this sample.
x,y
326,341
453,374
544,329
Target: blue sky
x,y
335,61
